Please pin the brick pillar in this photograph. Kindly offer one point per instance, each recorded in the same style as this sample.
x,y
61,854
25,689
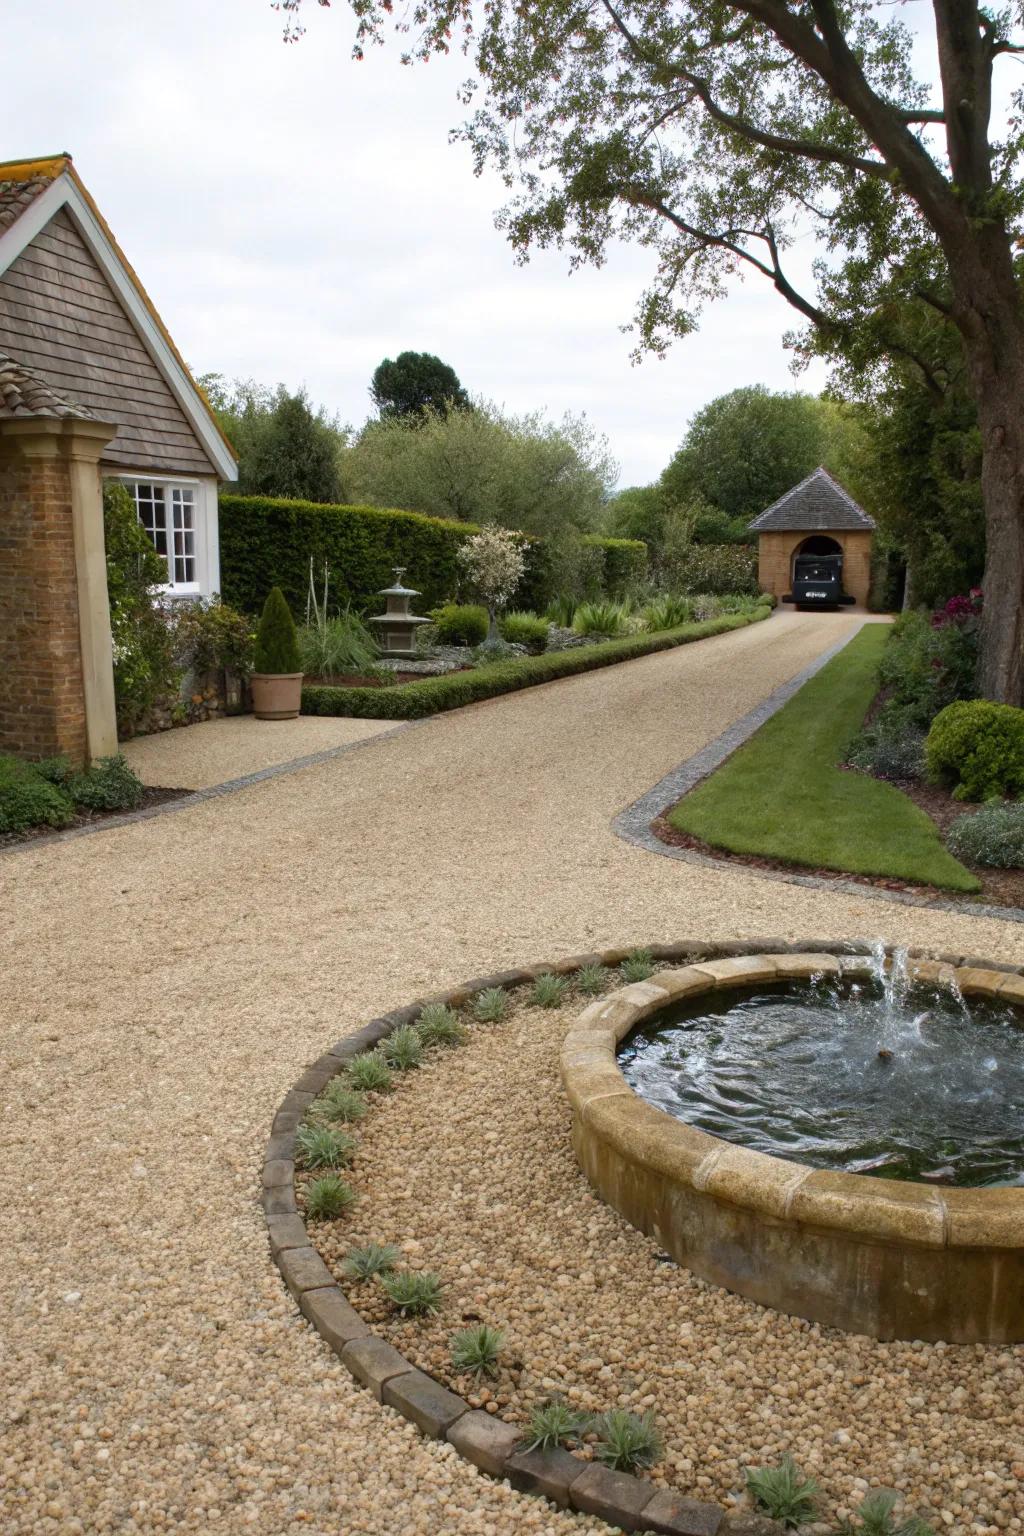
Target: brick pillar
x,y
56,665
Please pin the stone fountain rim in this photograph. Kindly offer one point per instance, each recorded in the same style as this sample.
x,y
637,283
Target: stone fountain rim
x,y
652,1141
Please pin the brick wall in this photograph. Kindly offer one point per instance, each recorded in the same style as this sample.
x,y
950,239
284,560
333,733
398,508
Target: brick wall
x,y
775,561
42,700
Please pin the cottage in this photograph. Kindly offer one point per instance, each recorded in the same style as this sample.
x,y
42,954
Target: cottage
x,y
91,387
816,518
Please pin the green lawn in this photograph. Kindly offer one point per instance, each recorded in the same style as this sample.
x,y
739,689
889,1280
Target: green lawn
x,y
784,796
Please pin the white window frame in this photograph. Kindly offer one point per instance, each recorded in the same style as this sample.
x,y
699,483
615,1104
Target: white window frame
x,y
205,531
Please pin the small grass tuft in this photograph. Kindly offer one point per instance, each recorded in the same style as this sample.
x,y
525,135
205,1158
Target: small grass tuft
x,y
404,1049
626,1440
328,1197
370,1073
340,1102
491,1005
637,966
784,1492
413,1293
320,1147
591,979
552,1424
875,1518
374,1259
549,990
477,1350
440,1025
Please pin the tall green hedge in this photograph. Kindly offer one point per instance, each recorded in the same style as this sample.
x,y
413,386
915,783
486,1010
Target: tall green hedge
x,y
267,541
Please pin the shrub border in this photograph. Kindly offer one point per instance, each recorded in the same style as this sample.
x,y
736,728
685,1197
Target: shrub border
x,y
435,695
492,1446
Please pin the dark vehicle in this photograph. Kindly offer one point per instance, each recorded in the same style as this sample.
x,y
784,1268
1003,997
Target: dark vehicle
x,y
818,581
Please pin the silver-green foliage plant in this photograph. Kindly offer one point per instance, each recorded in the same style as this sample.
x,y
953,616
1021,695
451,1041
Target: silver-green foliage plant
x,y
549,990
373,1259
340,1102
320,1147
404,1049
491,1005
637,966
603,618
440,1025
666,612
784,1492
993,835
552,1424
875,1517
626,1440
328,1197
591,979
413,1293
370,1073
477,1350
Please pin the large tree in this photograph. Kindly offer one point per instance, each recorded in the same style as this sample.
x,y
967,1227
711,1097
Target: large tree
x,y
285,447
414,382
716,131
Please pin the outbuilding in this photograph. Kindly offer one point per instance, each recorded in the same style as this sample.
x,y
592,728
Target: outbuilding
x,y
816,518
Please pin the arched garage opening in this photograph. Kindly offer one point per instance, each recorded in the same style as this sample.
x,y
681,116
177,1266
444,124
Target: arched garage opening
x,y
817,544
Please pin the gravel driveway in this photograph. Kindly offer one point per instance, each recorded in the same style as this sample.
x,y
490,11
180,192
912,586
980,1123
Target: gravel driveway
x,y
164,983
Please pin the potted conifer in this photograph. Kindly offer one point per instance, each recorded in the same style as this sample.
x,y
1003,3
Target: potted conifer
x,y
277,678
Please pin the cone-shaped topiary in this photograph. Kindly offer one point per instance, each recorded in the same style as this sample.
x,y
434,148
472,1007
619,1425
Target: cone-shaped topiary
x,y
277,646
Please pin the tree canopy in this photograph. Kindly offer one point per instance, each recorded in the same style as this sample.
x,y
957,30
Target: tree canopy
x,y
719,132
414,382
284,446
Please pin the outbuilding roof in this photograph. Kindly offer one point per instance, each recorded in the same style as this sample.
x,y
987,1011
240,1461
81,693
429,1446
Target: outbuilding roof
x,y
819,502
23,393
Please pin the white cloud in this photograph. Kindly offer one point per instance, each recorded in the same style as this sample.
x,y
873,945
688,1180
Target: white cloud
x,y
298,216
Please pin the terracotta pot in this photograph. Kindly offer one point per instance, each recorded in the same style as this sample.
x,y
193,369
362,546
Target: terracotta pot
x,y
276,695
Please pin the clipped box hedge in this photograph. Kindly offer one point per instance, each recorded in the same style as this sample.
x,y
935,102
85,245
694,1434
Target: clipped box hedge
x,y
434,695
267,542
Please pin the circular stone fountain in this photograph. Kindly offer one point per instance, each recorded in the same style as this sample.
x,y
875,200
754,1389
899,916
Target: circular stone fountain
x,y
841,1138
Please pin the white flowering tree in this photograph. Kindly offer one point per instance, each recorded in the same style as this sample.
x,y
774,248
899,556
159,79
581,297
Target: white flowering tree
x,y
494,562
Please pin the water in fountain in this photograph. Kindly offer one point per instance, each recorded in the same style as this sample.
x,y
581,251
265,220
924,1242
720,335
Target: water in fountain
x,y
874,1075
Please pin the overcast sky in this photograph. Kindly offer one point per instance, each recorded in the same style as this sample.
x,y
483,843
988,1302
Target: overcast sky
x,y
297,216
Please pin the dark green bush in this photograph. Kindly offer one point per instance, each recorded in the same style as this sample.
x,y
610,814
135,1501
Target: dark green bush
x,y
210,634
925,667
977,748
994,835
716,569
625,563
145,671
525,629
108,784
27,799
413,701
464,624
277,644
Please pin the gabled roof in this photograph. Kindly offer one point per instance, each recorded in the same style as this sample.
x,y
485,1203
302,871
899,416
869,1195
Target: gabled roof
x,y
31,192
817,502
23,393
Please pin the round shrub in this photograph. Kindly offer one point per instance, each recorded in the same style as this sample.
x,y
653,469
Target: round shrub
x,y
277,645
465,624
108,784
893,748
994,836
29,800
525,629
978,748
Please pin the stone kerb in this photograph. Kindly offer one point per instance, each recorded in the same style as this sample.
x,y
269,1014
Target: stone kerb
x,y
494,1447
888,1258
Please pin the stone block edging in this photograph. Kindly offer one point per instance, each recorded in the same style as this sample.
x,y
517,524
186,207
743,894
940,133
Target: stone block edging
x,y
491,1445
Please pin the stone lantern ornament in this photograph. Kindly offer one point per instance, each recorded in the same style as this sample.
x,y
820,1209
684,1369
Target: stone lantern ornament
x,y
397,624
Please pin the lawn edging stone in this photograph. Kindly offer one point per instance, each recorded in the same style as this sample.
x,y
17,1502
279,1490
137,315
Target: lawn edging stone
x,y
495,1448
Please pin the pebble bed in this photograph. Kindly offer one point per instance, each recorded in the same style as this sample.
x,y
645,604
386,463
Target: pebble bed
x,y
467,1167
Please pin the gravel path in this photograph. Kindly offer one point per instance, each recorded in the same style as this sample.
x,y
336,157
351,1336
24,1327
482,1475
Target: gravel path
x,y
164,983
489,1197
198,756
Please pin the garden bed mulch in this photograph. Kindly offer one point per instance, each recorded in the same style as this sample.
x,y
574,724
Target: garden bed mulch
x,y
150,798
999,887
487,1194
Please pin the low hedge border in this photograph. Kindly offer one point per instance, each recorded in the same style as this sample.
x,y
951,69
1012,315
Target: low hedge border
x,y
494,1447
435,695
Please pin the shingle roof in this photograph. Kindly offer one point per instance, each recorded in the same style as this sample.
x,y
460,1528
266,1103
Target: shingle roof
x,y
15,197
817,502
23,393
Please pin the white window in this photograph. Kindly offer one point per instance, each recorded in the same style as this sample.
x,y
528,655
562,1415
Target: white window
x,y
177,518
